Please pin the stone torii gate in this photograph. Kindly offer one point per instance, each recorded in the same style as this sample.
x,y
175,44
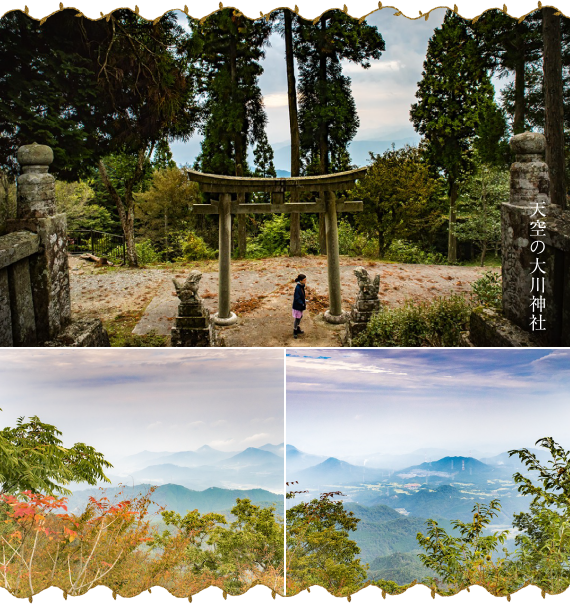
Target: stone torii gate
x,y
231,189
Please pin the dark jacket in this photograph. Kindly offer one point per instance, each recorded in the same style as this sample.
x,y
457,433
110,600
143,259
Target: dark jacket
x,y
299,298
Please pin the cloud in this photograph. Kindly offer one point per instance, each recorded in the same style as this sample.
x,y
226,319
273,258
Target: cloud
x,y
154,425
221,443
218,422
256,437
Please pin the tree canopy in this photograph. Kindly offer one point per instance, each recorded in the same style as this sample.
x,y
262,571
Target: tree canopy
x,y
34,459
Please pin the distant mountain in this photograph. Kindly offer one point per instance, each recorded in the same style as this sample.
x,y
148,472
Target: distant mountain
x,y
278,450
203,455
337,472
283,174
453,469
252,456
450,502
514,462
141,459
383,531
251,468
298,460
180,499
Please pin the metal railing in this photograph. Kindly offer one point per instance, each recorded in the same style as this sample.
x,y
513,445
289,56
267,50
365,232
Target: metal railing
x,y
98,243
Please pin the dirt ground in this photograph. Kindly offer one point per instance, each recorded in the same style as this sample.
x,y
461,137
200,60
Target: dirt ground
x,y
262,293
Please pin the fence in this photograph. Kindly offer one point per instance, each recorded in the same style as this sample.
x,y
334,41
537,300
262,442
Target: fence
x,y
97,243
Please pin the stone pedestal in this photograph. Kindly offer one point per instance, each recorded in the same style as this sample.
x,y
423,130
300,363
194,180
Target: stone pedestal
x,y
367,303
193,327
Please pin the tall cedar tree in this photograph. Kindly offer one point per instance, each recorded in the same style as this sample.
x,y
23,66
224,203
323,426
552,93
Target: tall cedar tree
x,y
94,88
284,26
508,46
227,49
554,104
328,120
453,94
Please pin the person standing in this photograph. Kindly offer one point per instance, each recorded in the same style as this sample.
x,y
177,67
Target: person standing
x,y
299,303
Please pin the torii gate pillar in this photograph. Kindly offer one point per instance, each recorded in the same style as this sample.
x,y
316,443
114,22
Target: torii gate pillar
x,y
224,316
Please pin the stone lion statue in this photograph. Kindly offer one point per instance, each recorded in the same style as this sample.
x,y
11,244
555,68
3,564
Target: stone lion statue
x,y
188,291
365,284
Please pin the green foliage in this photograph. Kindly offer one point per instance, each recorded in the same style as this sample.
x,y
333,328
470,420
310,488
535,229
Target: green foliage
x,y
468,559
146,253
195,248
401,199
435,324
407,252
390,587
226,50
398,569
319,549
272,239
328,120
479,207
544,544
455,93
488,290
77,200
352,243
164,211
251,545
103,86
34,459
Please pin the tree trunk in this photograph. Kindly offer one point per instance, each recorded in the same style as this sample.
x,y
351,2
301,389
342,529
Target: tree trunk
x,y
295,229
519,117
323,134
554,104
452,240
126,209
483,253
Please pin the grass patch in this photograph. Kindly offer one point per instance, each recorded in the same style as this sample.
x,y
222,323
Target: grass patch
x,y
120,330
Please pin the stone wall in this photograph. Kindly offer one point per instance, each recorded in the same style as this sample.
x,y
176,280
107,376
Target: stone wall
x,y
35,303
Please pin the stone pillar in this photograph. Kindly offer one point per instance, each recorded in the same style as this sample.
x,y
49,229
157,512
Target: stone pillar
x,y
192,327
529,186
224,316
367,303
49,271
334,313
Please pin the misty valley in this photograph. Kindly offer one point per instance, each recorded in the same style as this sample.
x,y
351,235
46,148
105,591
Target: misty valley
x,y
394,495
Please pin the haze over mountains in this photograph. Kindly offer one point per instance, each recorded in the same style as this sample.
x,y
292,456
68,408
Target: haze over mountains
x,y
205,467
394,496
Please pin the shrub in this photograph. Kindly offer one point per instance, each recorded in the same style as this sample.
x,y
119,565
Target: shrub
x,y
273,238
310,239
407,252
435,324
352,243
195,248
488,290
146,253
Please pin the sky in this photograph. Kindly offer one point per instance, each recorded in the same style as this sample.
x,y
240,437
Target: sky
x,y
395,401
126,401
383,93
